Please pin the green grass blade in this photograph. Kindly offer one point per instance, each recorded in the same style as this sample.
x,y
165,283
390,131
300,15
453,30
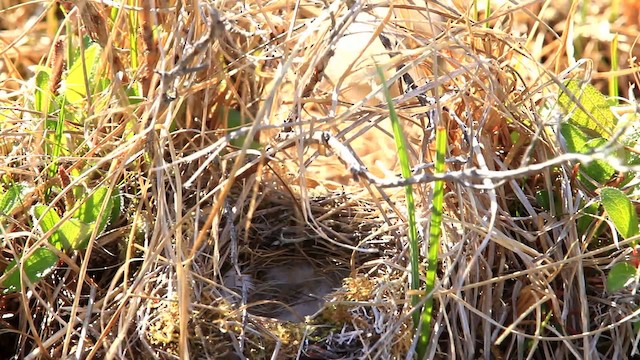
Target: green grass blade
x,y
487,13
42,96
70,38
405,168
133,36
613,81
435,231
474,14
58,139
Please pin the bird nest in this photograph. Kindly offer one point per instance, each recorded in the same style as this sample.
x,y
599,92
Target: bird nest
x,y
264,215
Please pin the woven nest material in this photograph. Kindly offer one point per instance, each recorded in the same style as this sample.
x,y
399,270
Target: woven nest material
x,y
302,234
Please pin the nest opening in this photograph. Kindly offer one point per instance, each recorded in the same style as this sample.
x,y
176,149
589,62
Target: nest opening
x,y
280,267
288,289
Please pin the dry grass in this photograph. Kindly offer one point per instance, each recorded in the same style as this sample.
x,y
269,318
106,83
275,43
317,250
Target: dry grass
x,y
221,242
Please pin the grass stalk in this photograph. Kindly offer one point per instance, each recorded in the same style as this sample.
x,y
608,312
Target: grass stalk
x,y
487,13
613,81
435,231
58,138
133,36
474,10
405,168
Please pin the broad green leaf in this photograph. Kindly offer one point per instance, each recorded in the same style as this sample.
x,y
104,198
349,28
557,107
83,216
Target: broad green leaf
x,y
78,191
10,198
598,116
599,170
116,207
577,141
632,158
73,234
89,210
574,138
620,276
48,219
75,89
86,42
37,266
620,211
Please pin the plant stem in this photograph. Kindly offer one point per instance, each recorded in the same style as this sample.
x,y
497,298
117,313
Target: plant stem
x,y
435,232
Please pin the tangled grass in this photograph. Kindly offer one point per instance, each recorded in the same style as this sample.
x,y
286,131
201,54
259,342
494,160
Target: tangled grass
x,y
261,214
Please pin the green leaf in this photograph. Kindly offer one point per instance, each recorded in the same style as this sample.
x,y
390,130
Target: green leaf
x,y
116,206
42,94
586,220
620,276
48,217
620,211
543,198
598,116
515,136
73,234
235,121
412,232
134,93
75,88
613,81
574,138
10,198
37,266
577,141
58,138
89,210
599,170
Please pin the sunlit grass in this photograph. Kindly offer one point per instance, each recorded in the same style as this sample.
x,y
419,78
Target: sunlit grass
x,y
435,232
405,168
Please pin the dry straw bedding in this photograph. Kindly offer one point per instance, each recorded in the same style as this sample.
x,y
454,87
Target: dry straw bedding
x,y
239,243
